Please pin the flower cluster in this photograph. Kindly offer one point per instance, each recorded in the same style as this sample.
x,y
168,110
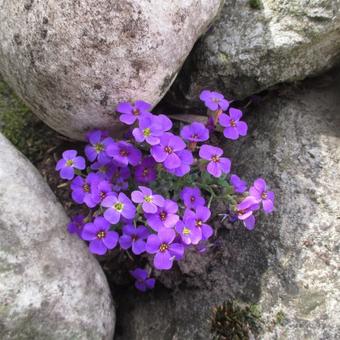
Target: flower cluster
x,y
151,194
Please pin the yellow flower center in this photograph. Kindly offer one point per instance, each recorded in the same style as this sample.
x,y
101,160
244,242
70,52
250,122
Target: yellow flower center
x,y
186,231
119,206
99,147
147,132
69,162
101,234
163,247
232,123
148,199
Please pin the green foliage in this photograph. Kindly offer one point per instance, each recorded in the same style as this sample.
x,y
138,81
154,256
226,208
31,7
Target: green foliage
x,y
212,188
21,127
280,317
231,321
255,4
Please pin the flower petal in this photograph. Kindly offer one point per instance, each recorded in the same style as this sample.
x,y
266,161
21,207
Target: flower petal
x,y
163,261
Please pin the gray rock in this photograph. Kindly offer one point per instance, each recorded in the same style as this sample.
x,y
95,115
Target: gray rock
x,y
288,265
50,286
251,49
72,61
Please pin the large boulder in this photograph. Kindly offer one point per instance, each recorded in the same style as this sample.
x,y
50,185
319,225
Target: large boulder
x,y
287,266
256,44
72,61
50,286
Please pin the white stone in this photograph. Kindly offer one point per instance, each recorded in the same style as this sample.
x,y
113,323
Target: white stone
x,y
50,286
72,61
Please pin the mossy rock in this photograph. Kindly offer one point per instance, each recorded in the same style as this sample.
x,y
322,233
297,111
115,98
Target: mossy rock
x,y
30,135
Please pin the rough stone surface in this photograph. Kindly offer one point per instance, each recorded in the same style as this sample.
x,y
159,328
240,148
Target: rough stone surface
x,y
289,264
50,286
72,61
250,49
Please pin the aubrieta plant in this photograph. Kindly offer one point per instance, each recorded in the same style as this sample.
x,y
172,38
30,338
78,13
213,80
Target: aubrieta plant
x,y
151,193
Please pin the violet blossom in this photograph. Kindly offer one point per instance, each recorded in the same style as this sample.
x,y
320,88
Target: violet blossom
x,y
149,201
164,248
187,159
192,197
100,237
198,219
217,164
165,217
238,184
118,206
124,153
131,112
234,128
76,225
134,238
98,143
82,189
195,132
245,209
166,151
260,192
214,100
68,163
143,282
146,171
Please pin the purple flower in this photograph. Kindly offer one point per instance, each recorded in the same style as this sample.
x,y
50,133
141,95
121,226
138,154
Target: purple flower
x,y
187,159
146,171
68,163
142,283
195,132
189,234
82,189
134,237
119,177
167,150
197,219
214,100
104,171
101,191
130,113
217,164
165,217
151,128
97,147
101,239
149,201
124,153
165,122
259,191
192,197
238,184
76,225
245,209
234,128
117,207
166,251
